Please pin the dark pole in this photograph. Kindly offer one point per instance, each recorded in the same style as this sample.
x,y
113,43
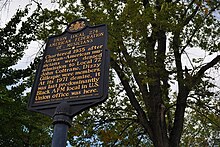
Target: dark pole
x,y
61,121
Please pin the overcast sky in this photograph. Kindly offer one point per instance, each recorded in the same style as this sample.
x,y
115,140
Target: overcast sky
x,y
7,10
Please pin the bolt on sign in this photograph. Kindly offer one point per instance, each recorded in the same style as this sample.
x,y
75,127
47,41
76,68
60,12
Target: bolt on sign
x,y
74,69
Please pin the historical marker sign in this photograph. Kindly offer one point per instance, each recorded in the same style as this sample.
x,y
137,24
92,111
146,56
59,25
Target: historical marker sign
x,y
74,68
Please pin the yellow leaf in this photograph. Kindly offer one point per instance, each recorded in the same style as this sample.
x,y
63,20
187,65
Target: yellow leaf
x,y
206,10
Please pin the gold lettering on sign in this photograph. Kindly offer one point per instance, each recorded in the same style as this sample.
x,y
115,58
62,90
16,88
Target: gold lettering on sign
x,y
74,70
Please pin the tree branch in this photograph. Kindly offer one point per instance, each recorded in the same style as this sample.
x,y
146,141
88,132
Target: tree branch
x,y
196,78
189,6
204,105
188,59
181,98
141,114
116,119
125,128
217,125
187,20
161,56
145,3
5,3
127,87
197,28
135,71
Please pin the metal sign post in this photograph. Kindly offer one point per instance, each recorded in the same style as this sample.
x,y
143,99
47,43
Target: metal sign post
x,y
62,121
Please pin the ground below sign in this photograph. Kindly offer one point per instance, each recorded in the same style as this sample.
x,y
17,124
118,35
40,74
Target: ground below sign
x,y
74,69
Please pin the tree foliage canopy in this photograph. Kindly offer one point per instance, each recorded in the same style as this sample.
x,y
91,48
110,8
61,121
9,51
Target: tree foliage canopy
x,y
19,127
151,43
164,91
161,91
